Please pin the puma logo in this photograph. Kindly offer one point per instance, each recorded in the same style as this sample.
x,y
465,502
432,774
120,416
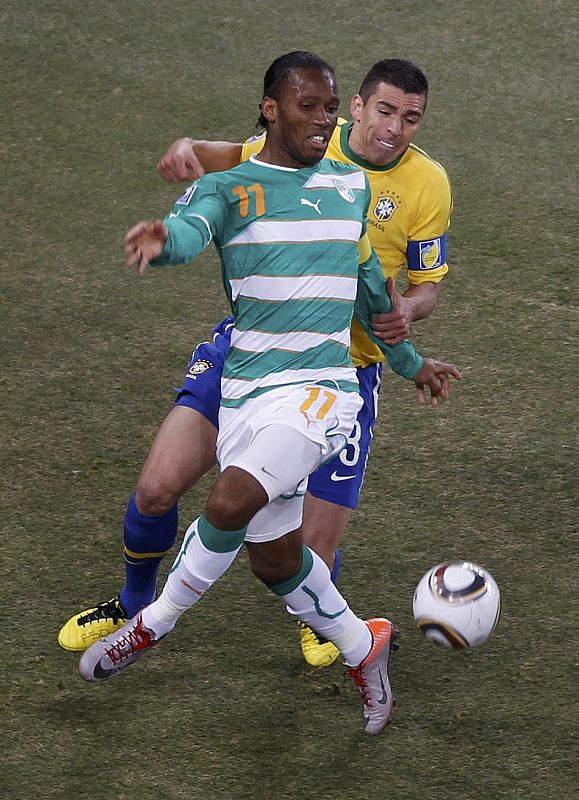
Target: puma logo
x,y
315,205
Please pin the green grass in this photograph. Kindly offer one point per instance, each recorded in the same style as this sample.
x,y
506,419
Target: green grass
x,y
92,95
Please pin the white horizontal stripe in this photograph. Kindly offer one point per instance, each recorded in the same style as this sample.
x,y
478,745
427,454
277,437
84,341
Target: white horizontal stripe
x,y
297,342
299,230
355,180
264,287
233,388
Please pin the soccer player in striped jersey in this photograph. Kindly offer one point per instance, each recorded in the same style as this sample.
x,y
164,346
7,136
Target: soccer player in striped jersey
x,y
407,218
294,273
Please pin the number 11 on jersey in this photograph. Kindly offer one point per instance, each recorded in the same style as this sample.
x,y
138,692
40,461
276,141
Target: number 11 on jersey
x,y
256,189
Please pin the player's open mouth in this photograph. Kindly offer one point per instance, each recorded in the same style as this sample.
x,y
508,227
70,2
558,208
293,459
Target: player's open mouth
x,y
389,145
318,140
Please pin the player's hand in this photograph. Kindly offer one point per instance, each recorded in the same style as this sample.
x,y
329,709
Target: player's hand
x,y
144,242
180,163
393,327
435,375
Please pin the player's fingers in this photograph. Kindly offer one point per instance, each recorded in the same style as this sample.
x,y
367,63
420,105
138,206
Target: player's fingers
x,y
143,261
136,230
194,167
435,387
444,386
393,294
393,339
449,369
420,394
168,169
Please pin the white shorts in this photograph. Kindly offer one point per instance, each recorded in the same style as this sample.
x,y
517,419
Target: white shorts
x,y
280,438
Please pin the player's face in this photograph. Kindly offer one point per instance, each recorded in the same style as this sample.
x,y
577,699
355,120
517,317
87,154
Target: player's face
x,y
385,124
302,121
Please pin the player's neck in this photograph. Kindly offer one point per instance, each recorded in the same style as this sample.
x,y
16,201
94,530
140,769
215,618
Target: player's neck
x,y
273,153
357,146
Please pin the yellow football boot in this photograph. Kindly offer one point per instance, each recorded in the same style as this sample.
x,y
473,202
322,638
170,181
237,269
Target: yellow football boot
x,y
85,628
317,652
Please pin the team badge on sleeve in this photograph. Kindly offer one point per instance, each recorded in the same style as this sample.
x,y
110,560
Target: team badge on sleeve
x,y
255,138
427,254
185,198
199,367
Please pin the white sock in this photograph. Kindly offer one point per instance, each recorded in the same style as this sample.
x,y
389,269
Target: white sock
x,y
194,571
314,599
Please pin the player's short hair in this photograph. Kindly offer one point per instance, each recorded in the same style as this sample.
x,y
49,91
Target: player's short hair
x,y
278,72
397,72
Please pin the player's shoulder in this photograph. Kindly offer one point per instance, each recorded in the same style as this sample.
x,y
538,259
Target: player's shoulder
x,y
343,177
332,165
252,145
428,166
216,180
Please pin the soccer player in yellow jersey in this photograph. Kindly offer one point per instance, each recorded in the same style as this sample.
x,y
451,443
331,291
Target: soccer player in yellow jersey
x,y
408,219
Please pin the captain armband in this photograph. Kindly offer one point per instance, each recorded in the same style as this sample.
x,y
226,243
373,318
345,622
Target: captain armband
x,y
426,254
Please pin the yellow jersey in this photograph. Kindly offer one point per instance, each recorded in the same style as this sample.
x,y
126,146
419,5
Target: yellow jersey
x,y
408,217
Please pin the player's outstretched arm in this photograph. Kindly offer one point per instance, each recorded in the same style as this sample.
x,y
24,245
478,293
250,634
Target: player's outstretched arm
x,y
144,242
188,159
435,375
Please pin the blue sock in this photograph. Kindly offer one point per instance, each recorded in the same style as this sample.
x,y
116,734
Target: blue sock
x,y
147,539
336,568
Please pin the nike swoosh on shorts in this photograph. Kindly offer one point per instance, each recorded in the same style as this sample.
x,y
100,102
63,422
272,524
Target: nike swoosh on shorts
x,y
335,477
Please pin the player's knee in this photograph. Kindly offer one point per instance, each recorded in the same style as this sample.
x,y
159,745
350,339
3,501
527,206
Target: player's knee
x,y
155,496
273,571
226,511
235,498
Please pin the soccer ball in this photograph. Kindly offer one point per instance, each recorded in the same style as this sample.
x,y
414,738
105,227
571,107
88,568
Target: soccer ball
x,y
457,605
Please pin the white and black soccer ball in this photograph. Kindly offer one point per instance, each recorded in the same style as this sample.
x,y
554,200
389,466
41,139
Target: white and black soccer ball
x,y
457,604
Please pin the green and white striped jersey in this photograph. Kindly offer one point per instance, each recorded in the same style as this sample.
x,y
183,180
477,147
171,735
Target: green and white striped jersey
x,y
289,241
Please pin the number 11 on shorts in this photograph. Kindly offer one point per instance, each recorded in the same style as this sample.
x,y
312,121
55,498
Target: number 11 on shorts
x,y
318,402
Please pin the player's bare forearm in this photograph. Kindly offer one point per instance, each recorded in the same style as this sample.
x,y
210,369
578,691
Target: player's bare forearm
x,y
423,299
188,159
417,302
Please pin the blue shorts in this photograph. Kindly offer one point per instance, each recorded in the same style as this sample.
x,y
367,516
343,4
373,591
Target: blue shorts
x,y
201,389
338,481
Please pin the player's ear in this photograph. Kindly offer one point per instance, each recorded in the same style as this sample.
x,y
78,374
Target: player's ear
x,y
269,109
356,106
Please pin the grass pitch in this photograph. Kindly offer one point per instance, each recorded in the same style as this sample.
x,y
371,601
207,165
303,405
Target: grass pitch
x,y
92,95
